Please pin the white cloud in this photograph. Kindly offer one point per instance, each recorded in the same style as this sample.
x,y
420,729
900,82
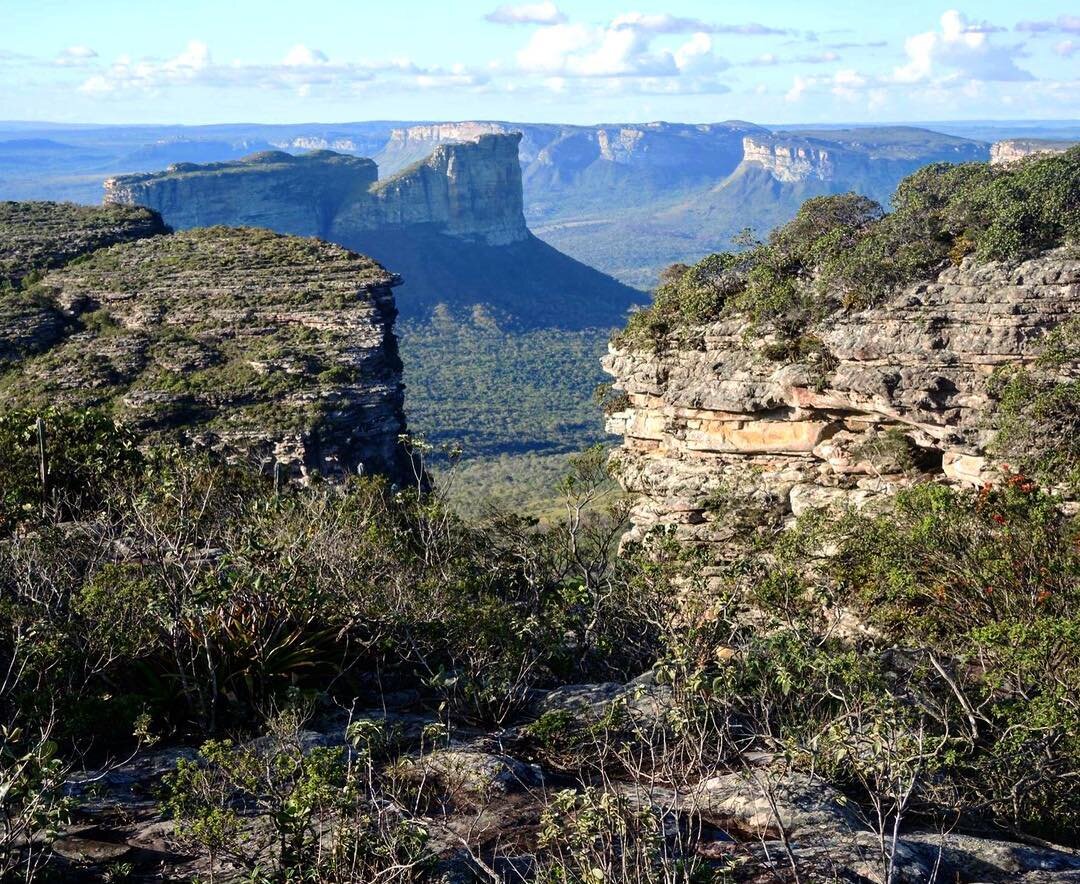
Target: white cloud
x,y
546,13
75,56
622,49
695,54
798,88
848,84
1066,48
958,50
671,24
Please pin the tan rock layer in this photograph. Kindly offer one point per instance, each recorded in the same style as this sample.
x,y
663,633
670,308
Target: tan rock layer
x,y
715,426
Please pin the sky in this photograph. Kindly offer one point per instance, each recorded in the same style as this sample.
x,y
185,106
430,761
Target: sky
x,y
263,61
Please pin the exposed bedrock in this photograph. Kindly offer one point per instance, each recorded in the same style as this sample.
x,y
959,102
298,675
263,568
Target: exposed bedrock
x,y
896,394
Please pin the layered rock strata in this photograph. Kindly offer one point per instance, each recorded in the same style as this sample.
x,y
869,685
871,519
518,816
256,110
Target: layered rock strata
x,y
714,427
268,347
469,191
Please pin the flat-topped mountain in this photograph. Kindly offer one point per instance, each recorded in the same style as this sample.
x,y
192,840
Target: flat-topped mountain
x,y
453,225
466,190
275,348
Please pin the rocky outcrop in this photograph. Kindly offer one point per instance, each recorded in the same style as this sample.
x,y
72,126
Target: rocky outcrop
x,y
1013,149
469,191
267,347
715,426
298,195
790,160
36,236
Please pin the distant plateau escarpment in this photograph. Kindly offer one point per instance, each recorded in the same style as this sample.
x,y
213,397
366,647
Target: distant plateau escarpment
x,y
452,224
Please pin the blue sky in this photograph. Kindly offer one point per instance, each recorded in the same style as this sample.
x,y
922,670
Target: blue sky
x,y
208,61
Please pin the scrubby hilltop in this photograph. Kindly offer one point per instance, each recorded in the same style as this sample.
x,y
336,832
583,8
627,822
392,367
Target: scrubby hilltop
x,y
856,352
270,347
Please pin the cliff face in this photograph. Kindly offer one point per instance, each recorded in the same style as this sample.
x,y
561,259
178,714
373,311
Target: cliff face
x,y
789,160
468,191
269,347
1013,149
894,395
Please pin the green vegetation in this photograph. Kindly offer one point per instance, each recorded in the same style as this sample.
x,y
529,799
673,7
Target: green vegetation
x,y
490,392
502,410
226,601
845,251
35,236
1038,412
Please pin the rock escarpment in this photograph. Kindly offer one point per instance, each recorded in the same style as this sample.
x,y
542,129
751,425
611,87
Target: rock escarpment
x,y
714,425
854,158
1013,149
470,191
790,160
269,347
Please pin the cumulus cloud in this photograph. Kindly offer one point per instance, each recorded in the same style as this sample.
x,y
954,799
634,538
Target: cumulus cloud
x,y
959,50
622,49
546,13
75,56
1063,24
1067,48
302,56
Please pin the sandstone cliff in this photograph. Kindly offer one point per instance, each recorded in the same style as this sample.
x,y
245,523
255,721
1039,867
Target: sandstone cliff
x,y
859,158
790,160
468,191
269,347
714,426
1013,149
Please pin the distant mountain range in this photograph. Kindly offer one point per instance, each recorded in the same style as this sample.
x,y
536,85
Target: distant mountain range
x,y
626,199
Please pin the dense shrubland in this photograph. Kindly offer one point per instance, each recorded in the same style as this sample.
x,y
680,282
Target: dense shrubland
x,y
846,251
167,598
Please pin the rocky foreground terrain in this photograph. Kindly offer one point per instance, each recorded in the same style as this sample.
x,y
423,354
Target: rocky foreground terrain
x,y
479,798
278,348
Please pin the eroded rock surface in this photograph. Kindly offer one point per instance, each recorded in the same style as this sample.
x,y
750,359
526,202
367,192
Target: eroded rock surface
x,y
270,346
1013,149
715,425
